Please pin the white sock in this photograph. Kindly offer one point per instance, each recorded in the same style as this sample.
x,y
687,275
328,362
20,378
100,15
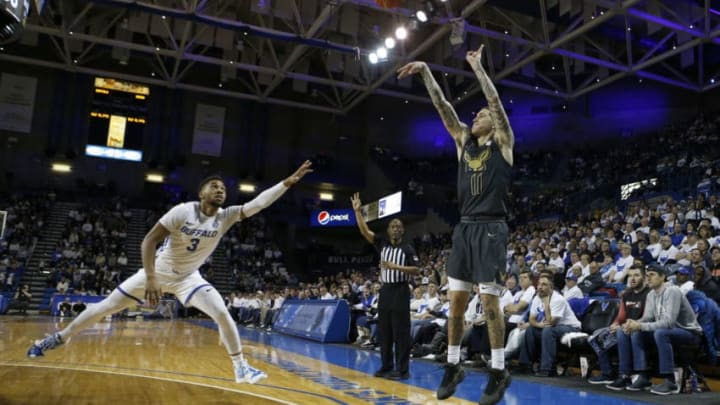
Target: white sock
x,y
453,354
497,359
237,358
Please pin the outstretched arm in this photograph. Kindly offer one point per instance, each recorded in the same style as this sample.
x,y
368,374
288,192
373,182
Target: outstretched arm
x,y
447,113
364,230
267,197
503,131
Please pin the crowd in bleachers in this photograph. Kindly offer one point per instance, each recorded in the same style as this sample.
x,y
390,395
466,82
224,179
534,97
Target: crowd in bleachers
x,y
597,256
23,225
612,254
254,260
24,220
91,255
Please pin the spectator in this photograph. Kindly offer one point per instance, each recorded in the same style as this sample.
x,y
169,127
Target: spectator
x,y
78,307
617,272
632,306
63,286
571,289
22,299
705,283
668,252
550,318
521,300
593,281
682,279
668,320
65,307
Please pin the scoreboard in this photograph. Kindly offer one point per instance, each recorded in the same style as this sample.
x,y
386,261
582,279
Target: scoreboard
x,y
118,116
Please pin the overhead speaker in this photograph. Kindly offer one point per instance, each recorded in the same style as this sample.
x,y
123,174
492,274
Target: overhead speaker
x,y
13,14
12,19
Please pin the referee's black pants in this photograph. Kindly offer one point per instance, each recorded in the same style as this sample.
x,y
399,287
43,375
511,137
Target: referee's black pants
x,y
394,326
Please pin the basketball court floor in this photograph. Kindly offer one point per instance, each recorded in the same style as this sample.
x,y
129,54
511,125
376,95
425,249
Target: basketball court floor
x,y
181,362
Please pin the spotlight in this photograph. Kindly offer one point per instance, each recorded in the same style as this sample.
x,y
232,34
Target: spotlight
x,y
712,81
421,16
401,33
389,43
382,53
12,19
373,58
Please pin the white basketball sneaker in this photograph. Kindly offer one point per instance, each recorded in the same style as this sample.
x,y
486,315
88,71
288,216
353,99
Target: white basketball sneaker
x,y
244,373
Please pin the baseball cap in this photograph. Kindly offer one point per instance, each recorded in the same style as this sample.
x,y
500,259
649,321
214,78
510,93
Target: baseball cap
x,y
684,270
571,276
657,268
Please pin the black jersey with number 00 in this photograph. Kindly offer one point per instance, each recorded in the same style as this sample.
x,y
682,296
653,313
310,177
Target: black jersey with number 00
x,y
483,180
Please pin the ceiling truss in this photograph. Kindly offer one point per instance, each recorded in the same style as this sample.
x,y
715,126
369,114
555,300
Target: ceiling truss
x,y
312,54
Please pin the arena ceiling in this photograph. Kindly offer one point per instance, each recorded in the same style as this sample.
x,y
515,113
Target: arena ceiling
x,y
313,54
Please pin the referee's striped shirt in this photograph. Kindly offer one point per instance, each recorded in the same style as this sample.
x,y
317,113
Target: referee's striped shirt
x,y
402,255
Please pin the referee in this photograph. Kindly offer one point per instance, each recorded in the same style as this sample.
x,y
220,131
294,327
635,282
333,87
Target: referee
x,y
398,262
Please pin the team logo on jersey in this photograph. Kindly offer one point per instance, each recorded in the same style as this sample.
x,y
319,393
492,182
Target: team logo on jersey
x,y
477,163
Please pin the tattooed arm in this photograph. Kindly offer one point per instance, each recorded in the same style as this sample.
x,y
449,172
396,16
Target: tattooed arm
x,y
503,132
448,115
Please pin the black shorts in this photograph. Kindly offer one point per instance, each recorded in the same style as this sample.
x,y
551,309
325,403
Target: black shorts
x,y
479,252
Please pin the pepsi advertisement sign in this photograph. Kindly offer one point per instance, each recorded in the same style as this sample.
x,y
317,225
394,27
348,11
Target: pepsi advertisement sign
x,y
327,218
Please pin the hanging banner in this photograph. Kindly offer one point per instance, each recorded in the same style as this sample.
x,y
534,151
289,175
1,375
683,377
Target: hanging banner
x,y
209,126
17,101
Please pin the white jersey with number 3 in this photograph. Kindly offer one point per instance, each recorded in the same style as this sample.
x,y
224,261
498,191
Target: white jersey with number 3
x,y
193,236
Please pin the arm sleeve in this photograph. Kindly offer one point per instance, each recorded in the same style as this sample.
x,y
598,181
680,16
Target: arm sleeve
x,y
264,199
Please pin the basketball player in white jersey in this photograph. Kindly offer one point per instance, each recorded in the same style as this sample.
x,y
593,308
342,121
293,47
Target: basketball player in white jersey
x,y
189,233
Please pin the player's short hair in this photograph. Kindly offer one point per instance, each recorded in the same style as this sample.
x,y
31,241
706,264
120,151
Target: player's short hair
x,y
207,180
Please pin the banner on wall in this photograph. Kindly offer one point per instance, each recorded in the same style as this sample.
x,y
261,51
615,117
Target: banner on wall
x,y
17,101
209,126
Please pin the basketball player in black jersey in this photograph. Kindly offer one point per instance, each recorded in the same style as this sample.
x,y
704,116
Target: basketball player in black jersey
x,y
485,158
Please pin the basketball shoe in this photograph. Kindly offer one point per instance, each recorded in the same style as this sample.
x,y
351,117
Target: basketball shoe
x,y
244,373
40,346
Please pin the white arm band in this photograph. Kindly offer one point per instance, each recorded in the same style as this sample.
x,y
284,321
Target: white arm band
x,y
264,199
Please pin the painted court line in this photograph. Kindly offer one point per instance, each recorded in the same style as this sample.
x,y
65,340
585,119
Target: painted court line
x,y
112,372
